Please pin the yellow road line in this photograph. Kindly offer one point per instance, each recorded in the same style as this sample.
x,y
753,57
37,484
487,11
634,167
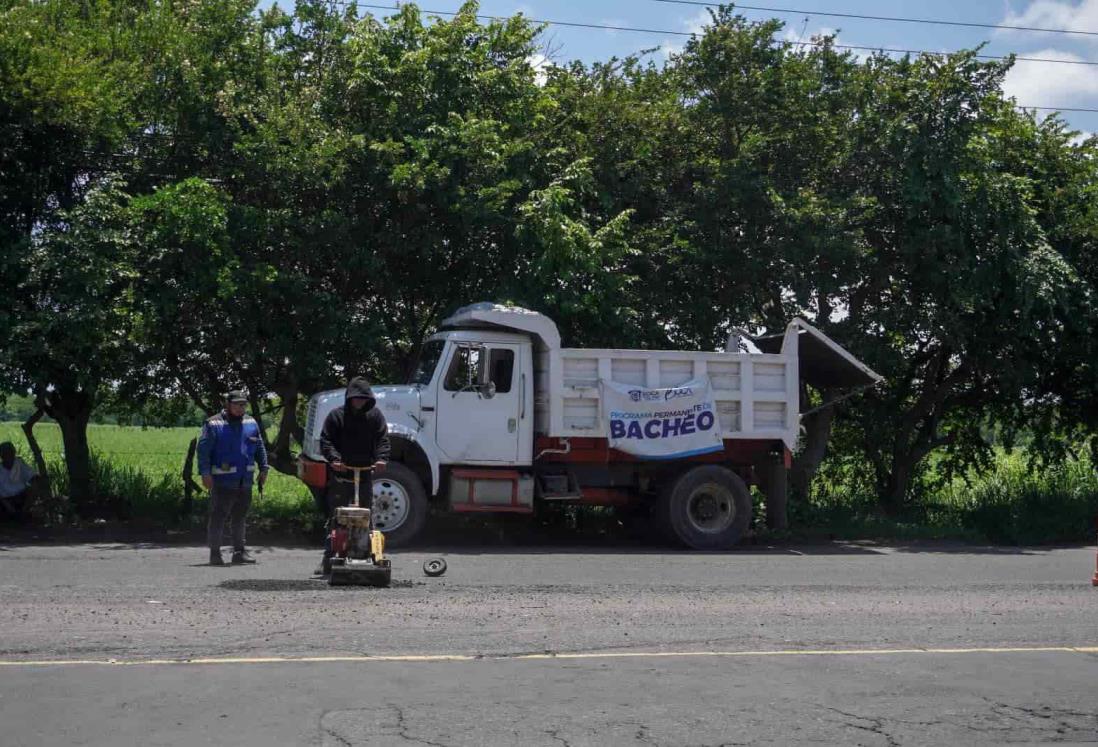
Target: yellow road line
x,y
365,658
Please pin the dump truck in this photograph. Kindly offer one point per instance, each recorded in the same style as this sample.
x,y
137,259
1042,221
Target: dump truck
x,y
499,418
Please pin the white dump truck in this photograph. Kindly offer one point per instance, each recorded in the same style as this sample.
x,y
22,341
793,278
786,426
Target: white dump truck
x,y
498,417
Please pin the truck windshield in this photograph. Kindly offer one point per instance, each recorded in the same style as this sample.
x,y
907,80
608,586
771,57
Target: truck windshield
x,y
428,360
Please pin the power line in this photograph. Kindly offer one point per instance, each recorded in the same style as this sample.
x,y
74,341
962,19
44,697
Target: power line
x,y
943,54
895,19
575,24
1057,108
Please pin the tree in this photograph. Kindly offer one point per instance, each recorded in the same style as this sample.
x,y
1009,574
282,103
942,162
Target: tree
x,y
961,298
71,340
65,86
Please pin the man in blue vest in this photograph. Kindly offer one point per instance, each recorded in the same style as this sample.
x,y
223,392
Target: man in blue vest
x,y
230,451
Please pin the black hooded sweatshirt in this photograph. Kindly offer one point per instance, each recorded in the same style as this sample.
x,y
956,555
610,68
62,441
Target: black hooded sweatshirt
x,y
355,438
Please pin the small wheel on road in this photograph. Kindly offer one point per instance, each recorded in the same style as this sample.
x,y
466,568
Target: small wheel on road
x,y
706,508
434,567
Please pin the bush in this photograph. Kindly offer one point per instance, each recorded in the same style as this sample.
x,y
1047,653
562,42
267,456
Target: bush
x,y
1018,505
123,491
1014,503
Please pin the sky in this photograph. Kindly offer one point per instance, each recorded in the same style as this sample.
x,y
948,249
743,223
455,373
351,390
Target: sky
x,y
1031,83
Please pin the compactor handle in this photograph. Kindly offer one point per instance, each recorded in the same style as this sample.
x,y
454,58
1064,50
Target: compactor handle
x,y
358,471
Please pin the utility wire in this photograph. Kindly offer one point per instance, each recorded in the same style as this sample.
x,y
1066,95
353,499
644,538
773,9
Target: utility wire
x,y
356,6
661,32
895,19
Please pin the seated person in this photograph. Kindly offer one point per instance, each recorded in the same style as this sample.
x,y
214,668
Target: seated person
x,y
16,477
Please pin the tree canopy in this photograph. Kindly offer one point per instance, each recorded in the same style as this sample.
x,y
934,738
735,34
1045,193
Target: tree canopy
x,y
197,196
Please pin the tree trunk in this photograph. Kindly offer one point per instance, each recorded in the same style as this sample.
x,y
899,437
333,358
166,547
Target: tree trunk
x,y
894,491
36,451
817,433
72,411
776,488
281,456
189,485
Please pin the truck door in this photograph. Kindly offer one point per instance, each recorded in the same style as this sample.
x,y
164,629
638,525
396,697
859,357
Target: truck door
x,y
478,404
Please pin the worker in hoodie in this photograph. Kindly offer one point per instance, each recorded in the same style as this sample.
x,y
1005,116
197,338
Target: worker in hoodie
x,y
355,434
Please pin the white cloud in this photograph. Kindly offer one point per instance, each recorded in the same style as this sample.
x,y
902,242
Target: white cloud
x,y
803,34
1050,84
1057,14
694,25
1082,137
540,63
668,48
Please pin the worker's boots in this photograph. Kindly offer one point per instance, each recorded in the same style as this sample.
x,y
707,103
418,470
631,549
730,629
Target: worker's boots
x,y
241,557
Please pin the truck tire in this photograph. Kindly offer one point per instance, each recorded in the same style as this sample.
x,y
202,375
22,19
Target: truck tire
x,y
706,508
400,504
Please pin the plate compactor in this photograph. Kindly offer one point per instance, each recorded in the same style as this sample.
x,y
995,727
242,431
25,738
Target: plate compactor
x,y
358,549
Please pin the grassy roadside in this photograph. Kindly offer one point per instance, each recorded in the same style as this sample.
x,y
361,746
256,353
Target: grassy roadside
x,y
1011,504
138,473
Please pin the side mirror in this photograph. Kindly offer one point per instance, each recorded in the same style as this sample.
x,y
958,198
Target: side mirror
x,y
488,390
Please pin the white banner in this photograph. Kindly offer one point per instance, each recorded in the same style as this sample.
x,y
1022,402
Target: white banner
x,y
662,423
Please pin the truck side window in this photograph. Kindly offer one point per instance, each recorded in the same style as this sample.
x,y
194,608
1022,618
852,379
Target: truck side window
x,y
501,367
464,367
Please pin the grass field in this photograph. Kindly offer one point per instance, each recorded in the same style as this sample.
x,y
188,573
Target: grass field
x,y
142,467
138,473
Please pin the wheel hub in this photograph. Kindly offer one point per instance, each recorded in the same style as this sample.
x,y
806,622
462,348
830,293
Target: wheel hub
x,y
391,505
710,509
707,507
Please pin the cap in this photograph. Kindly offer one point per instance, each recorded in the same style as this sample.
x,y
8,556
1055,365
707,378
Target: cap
x,y
236,397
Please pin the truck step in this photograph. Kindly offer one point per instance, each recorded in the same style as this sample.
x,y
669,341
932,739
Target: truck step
x,y
558,486
561,496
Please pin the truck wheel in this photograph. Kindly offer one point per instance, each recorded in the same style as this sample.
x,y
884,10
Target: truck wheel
x,y
400,504
706,508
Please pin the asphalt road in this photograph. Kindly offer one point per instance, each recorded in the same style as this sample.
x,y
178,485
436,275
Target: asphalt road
x,y
842,644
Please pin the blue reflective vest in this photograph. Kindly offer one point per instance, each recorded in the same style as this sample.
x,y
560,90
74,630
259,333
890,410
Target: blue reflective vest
x,y
231,451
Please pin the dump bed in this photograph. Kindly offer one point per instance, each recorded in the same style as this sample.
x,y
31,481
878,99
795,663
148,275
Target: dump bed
x,y
755,394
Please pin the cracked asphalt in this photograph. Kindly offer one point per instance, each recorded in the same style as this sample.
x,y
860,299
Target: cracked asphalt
x,y
552,645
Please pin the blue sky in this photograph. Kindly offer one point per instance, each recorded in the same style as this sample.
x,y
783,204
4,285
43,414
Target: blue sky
x,y
1032,83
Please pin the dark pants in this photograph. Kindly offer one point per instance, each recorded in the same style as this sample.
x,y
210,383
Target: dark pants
x,y
232,502
11,508
342,493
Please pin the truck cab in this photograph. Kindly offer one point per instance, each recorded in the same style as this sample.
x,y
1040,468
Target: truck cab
x,y
476,389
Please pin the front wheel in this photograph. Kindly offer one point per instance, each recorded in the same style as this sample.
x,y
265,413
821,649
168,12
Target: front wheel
x,y
706,508
400,504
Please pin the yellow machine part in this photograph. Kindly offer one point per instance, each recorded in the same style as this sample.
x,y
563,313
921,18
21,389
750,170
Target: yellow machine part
x,y
377,545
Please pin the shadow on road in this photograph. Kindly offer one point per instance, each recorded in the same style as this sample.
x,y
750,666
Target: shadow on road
x,y
315,584
273,584
961,549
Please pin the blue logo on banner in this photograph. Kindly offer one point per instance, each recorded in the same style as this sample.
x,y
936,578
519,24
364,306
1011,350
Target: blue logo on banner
x,y
662,427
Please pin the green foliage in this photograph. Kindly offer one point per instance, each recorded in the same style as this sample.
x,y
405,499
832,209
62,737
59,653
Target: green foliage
x,y
1018,504
1009,502
138,474
201,196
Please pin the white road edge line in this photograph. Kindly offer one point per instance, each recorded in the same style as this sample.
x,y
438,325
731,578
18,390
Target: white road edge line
x,y
434,658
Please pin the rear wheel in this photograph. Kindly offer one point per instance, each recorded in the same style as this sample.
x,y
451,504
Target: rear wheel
x,y
400,504
706,508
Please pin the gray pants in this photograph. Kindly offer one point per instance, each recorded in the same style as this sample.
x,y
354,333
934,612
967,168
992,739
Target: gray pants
x,y
232,502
